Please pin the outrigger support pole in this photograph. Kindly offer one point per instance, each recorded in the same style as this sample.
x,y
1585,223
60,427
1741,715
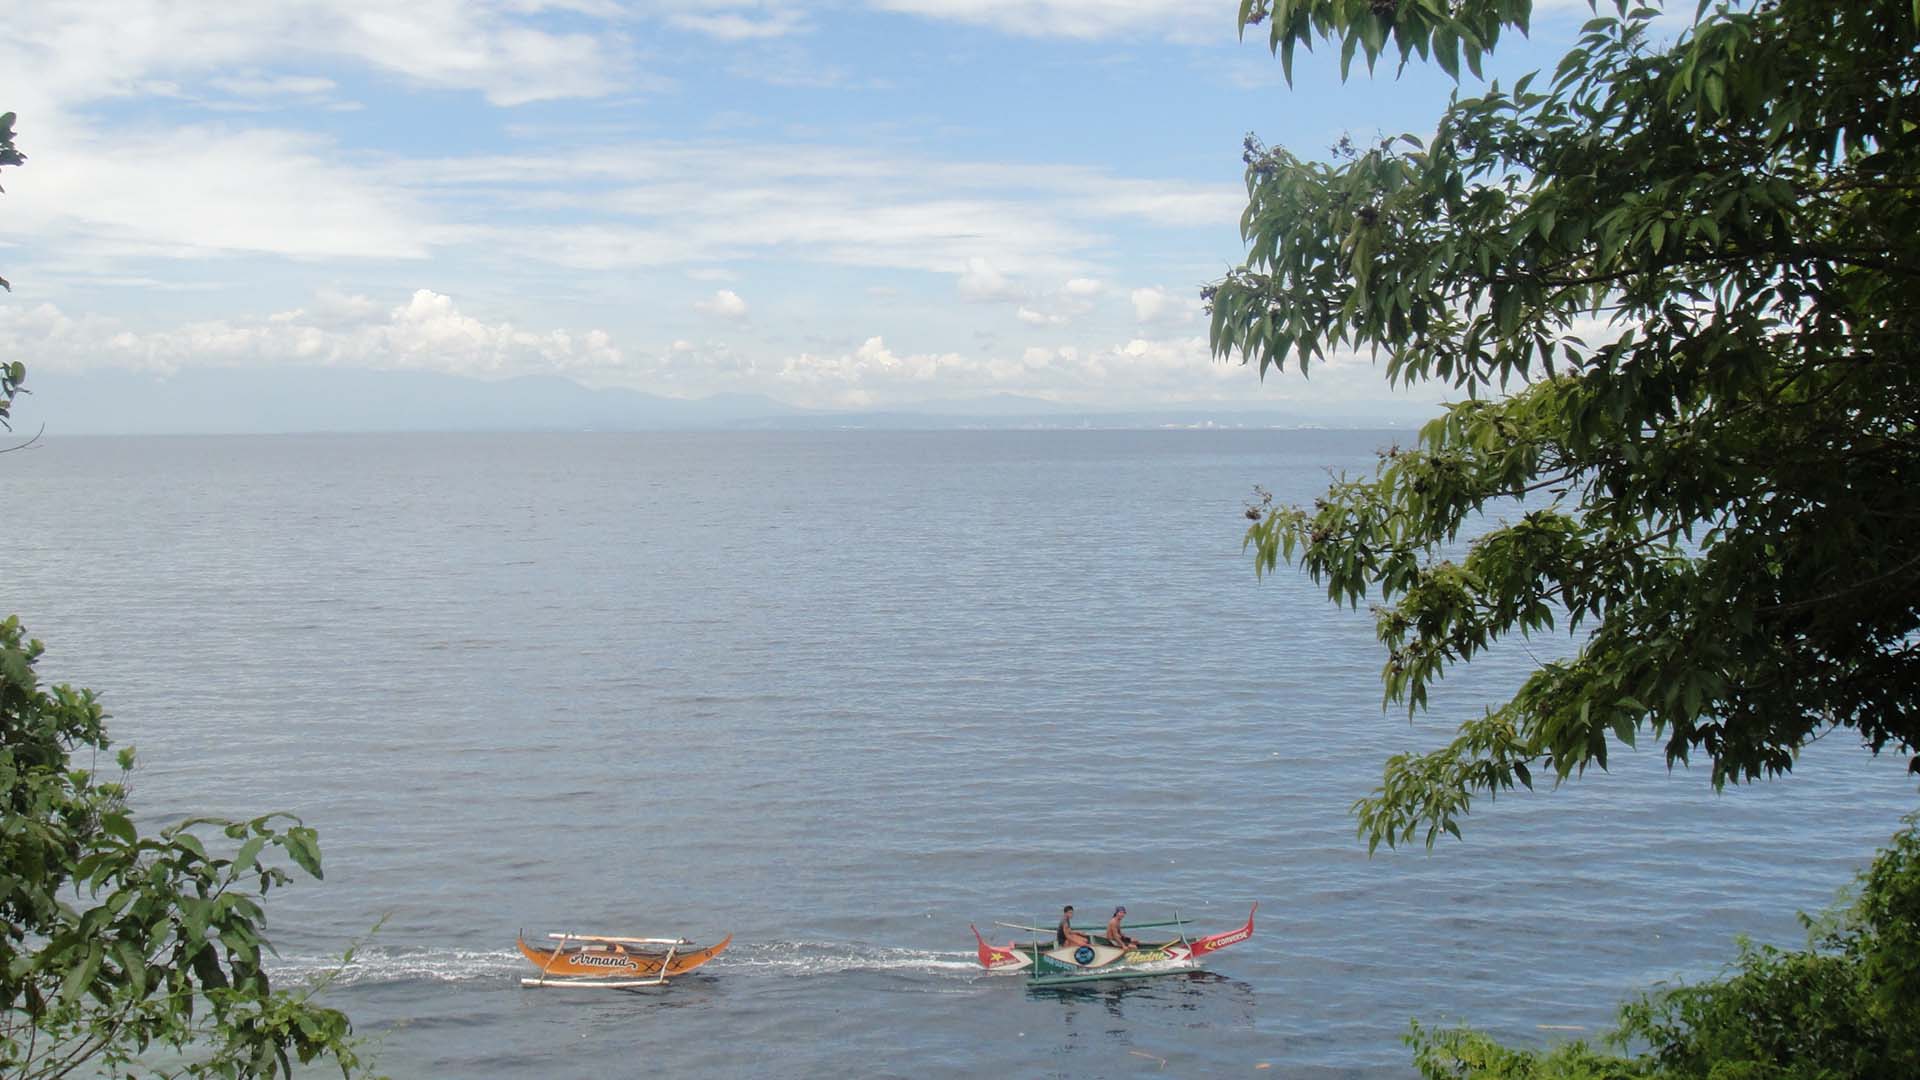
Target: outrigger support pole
x,y
1039,950
551,957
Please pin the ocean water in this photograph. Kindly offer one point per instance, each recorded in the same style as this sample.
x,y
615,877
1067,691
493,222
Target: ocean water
x,y
842,694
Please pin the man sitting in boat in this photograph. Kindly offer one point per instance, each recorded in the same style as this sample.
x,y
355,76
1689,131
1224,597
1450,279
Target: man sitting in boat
x,y
1066,934
1117,936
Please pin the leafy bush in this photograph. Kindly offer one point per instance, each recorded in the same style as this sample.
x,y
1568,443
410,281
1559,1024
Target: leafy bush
x,y
125,954
1845,1008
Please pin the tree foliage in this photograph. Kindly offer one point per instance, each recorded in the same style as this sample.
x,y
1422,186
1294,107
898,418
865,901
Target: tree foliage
x,y
1846,1006
127,954
11,373
1678,287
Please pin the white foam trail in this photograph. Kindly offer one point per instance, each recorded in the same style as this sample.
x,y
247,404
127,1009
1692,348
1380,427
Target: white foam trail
x,y
802,958
378,964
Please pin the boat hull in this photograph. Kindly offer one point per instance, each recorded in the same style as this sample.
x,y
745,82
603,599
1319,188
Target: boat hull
x,y
1100,959
1049,973
612,966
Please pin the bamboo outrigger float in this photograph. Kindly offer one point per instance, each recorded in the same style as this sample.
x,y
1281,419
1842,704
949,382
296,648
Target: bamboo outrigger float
x,y
1049,964
603,962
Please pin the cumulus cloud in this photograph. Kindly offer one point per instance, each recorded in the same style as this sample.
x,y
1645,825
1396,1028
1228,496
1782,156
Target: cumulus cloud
x,y
1148,304
980,281
724,303
1138,371
1155,368
1061,306
1155,304
868,375
430,331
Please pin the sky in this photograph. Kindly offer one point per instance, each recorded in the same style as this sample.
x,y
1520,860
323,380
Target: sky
x,y
844,204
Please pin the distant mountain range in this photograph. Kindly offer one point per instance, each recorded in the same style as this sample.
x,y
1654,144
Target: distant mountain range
x,y
307,399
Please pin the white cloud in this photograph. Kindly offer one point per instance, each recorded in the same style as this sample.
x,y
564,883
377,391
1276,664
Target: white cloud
x,y
1148,304
660,202
1137,371
1156,305
256,91
634,205
69,52
1167,203
1210,19
734,26
725,303
333,310
427,332
980,281
983,242
869,375
1099,194
849,225
224,192
1064,305
235,191
257,85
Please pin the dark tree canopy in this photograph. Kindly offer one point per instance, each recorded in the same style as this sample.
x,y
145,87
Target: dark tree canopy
x,y
1677,286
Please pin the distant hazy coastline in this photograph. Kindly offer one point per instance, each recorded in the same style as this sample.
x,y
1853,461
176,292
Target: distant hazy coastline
x,y
313,399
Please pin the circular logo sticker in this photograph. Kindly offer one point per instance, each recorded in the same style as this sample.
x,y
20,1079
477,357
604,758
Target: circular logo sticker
x,y
1083,955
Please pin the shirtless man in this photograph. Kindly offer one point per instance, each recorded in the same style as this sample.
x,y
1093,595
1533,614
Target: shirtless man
x,y
1115,934
1065,934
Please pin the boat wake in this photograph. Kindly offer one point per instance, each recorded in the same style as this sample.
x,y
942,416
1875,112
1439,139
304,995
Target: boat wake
x,y
804,958
378,965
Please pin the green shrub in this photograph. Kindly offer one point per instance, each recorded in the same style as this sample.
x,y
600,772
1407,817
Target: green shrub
x,y
1847,1007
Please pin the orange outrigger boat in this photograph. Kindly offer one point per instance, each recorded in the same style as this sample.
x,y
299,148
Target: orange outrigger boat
x,y
613,963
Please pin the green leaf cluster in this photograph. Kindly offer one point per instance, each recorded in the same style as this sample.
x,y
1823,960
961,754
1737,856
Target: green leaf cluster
x,y
123,953
1444,31
11,374
1678,289
1847,1007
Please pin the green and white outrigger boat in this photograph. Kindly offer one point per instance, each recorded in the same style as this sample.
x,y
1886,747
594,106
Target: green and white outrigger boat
x,y
1050,964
